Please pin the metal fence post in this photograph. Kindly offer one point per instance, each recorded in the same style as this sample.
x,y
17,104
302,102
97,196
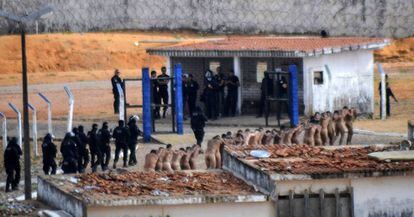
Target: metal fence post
x,y
146,105
4,128
19,122
49,113
34,128
71,103
179,98
294,99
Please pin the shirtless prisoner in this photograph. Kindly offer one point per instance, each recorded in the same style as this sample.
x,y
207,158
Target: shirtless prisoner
x,y
185,159
339,126
194,155
210,156
167,158
176,158
151,161
349,116
160,154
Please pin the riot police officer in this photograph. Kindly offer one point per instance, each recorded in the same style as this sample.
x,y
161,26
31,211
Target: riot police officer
x,y
210,95
105,139
192,88
83,151
266,87
121,135
49,151
221,83
69,154
116,79
233,84
155,95
12,164
198,122
134,132
163,81
96,154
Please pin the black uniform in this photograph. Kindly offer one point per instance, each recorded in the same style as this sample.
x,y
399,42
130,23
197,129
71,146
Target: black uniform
x,y
198,122
388,94
192,88
121,136
69,154
232,94
49,151
12,164
220,79
156,99
267,85
116,80
282,92
209,96
104,141
134,132
163,92
83,151
94,146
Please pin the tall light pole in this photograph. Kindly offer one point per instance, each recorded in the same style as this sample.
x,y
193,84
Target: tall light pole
x,y
23,21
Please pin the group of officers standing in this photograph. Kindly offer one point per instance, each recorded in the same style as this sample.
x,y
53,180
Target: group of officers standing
x,y
78,149
76,155
216,103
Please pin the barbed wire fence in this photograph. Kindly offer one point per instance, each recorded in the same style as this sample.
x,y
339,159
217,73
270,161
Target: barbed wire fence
x,y
340,17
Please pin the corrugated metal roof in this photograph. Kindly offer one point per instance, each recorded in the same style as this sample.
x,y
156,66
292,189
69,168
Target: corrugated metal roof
x,y
271,47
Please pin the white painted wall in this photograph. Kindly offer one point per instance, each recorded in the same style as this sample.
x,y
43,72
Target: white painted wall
x,y
390,196
351,84
393,196
248,209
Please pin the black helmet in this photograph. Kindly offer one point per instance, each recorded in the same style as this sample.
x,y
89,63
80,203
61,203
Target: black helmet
x,y
48,137
121,123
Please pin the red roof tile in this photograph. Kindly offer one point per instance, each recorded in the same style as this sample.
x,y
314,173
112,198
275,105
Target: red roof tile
x,y
297,45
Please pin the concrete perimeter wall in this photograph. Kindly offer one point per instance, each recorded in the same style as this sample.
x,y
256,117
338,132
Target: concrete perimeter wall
x,y
390,18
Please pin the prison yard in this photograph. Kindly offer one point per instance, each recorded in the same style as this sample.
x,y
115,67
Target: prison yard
x,y
236,119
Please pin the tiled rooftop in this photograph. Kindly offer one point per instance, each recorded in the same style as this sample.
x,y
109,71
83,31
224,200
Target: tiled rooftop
x,y
293,45
306,160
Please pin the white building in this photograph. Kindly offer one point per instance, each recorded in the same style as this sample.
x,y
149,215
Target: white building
x,y
333,72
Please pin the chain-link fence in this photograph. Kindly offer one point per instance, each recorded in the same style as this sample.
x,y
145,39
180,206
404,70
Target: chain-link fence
x,y
339,17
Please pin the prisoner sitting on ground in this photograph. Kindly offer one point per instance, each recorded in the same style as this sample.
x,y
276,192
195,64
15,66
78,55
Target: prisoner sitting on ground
x,y
196,150
166,161
185,159
160,153
177,155
296,134
309,135
151,160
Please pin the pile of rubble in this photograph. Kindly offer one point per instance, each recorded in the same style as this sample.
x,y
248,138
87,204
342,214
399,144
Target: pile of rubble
x,y
303,159
13,208
163,184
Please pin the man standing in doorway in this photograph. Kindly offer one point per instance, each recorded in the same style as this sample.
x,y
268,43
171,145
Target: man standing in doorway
x,y
233,84
116,79
221,83
163,89
266,86
192,88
